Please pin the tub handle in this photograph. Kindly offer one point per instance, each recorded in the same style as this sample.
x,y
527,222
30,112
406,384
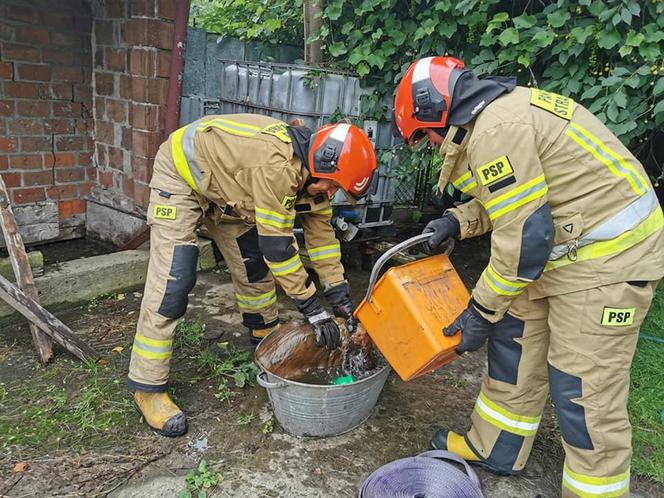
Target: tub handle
x,y
261,378
413,241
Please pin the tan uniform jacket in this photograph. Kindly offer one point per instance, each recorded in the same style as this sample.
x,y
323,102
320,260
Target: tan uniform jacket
x,y
243,166
570,208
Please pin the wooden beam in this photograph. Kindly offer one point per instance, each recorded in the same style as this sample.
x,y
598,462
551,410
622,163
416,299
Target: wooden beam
x,y
22,270
46,321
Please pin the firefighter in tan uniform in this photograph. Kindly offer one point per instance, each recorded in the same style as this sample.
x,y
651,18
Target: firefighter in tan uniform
x,y
247,175
577,249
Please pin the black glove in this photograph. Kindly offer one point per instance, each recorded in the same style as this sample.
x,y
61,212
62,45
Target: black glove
x,y
326,329
339,297
443,228
474,329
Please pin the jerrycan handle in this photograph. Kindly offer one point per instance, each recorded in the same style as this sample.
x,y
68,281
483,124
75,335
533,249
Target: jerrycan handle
x,y
413,241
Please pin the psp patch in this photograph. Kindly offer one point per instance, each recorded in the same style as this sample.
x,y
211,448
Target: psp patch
x,y
289,201
563,107
618,317
164,212
494,171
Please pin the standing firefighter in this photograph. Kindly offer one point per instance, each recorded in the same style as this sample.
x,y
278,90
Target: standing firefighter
x,y
250,174
577,249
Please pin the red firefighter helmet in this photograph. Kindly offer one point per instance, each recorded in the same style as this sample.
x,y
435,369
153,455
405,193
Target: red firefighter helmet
x,y
423,97
343,153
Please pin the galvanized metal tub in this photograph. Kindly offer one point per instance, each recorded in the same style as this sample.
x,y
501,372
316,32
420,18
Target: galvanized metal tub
x,y
322,411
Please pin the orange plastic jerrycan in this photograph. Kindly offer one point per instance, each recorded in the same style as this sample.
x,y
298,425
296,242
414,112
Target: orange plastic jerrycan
x,y
407,309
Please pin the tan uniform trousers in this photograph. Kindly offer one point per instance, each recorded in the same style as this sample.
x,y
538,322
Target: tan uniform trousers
x,y
578,346
172,274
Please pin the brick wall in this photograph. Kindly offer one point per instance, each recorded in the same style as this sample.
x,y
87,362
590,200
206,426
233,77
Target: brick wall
x,y
132,42
46,106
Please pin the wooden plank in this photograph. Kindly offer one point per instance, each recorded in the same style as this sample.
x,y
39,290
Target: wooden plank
x,y
46,321
36,222
22,270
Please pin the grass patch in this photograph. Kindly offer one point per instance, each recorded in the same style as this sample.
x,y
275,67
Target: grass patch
x,y
200,481
190,333
227,364
646,400
64,405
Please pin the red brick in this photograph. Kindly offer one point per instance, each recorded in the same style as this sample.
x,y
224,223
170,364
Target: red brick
x,y
6,32
34,36
164,63
142,8
33,108
101,155
8,144
6,70
116,110
69,175
68,39
105,83
85,159
86,188
12,180
4,162
28,195
125,86
126,137
83,93
128,186
35,178
64,109
145,116
141,194
115,9
33,72
22,90
26,127
105,132
15,52
152,91
54,20
135,32
59,126
71,74
166,9
68,191
91,173
25,161
36,144
106,179
60,91
104,32
115,59
116,158
58,56
6,107
143,62
65,159
69,142
145,143
142,168
83,23
160,34
70,208
21,13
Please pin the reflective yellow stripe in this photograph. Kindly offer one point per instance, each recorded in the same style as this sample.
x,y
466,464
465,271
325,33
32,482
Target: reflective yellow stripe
x,y
256,302
272,218
465,182
323,212
180,159
500,285
158,343
232,127
616,163
153,349
517,197
653,223
499,417
285,267
595,487
324,252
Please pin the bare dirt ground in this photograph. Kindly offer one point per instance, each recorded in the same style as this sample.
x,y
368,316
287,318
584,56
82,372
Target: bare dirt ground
x,y
70,430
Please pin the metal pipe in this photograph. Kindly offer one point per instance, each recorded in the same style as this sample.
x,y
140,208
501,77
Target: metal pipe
x,y
177,67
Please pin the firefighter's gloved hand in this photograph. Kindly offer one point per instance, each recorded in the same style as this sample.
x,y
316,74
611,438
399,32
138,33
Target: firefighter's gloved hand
x,y
326,329
474,329
443,228
342,305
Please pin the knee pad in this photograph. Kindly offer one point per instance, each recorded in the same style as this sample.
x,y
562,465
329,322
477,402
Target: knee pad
x,y
183,271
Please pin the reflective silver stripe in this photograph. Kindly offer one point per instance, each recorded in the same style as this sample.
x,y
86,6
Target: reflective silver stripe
x,y
516,198
154,349
463,185
624,220
188,149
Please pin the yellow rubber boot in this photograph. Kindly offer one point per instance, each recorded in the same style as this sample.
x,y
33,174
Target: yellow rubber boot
x,y
445,439
257,335
160,413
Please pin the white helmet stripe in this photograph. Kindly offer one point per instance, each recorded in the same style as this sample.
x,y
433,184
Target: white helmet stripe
x,y
340,132
360,185
421,71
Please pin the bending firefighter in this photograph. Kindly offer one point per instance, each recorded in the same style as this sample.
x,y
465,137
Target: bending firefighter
x,y
248,175
577,249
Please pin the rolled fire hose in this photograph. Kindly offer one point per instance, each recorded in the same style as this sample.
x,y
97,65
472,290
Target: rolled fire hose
x,y
426,475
